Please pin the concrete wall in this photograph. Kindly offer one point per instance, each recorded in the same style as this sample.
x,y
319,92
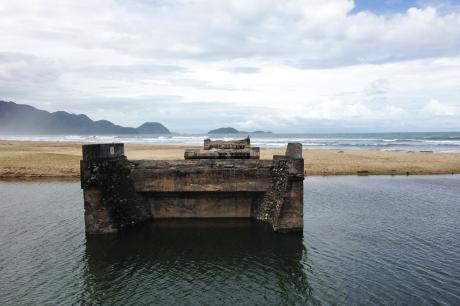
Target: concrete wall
x,y
205,175
203,205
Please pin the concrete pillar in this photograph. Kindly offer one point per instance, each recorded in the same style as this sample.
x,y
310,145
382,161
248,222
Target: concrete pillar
x,y
103,151
98,218
111,202
291,215
294,150
290,218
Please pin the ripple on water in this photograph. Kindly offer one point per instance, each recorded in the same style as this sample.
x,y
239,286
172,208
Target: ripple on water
x,y
387,232
367,240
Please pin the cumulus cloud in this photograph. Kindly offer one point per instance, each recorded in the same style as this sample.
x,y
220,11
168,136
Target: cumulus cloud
x,y
443,110
268,64
320,33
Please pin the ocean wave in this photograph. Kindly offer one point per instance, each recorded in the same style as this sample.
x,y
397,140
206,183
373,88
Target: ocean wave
x,y
443,138
387,142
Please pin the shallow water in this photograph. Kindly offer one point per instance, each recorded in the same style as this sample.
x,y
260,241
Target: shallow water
x,y
367,240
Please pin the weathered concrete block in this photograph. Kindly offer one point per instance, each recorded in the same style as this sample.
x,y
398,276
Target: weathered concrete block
x,y
103,151
218,149
111,202
218,154
119,193
220,144
294,150
203,205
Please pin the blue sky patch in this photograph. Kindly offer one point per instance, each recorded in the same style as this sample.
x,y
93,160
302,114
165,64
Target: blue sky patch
x,y
385,6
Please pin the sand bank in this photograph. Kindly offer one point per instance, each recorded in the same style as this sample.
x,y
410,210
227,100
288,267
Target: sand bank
x,y
29,159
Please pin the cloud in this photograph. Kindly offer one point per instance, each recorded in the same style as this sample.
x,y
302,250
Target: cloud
x,y
268,64
128,71
314,33
443,110
237,70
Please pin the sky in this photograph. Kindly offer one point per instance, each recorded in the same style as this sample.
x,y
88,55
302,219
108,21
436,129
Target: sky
x,y
280,65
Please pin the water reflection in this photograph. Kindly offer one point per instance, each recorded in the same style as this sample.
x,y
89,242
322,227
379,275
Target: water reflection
x,y
196,262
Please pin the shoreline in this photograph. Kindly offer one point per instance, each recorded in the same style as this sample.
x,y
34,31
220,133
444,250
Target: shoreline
x,y
42,160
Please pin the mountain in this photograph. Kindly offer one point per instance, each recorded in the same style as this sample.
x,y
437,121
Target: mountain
x,y
26,119
230,130
152,128
224,130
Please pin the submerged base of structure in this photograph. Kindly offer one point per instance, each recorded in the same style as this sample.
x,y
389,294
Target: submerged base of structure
x,y
119,193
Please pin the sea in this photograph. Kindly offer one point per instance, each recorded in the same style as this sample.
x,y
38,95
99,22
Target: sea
x,y
433,141
377,240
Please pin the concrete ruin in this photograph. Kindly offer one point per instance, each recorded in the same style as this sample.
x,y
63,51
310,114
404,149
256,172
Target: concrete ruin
x,y
223,180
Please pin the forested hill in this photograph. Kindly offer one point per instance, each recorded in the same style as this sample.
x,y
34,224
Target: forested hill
x,y
25,119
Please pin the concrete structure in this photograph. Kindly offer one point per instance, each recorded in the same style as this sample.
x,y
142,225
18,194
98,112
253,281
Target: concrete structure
x,y
225,180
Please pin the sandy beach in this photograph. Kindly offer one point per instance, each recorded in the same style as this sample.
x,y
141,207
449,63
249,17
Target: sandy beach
x,y
32,159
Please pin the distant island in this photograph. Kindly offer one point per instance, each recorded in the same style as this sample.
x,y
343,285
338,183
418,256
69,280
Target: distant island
x,y
26,119
230,130
152,128
224,130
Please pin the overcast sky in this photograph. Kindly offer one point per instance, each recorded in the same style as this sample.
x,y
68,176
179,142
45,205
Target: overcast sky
x,y
280,65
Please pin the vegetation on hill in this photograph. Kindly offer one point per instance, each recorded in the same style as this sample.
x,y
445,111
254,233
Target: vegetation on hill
x,y
25,119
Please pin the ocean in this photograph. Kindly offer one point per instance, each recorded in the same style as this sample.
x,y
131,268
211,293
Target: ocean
x,y
377,240
433,141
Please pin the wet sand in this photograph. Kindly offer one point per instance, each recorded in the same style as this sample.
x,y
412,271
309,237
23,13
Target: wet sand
x,y
31,159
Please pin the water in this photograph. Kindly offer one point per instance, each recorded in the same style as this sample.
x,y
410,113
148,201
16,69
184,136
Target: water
x,y
436,142
367,240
